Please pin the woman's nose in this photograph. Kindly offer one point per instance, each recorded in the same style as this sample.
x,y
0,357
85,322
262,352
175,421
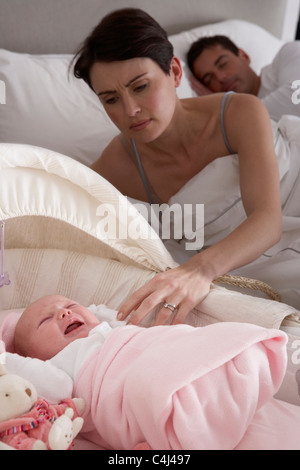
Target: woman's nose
x,y
131,107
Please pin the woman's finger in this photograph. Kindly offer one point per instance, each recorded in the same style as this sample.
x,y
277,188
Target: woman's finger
x,y
133,301
156,287
175,291
140,304
166,312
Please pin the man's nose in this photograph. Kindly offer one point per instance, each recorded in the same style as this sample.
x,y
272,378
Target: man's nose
x,y
221,76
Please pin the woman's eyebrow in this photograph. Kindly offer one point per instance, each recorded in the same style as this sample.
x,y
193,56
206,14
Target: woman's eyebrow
x,y
109,92
134,79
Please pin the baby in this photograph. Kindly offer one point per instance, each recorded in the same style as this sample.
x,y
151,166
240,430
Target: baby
x,y
173,387
44,340
51,323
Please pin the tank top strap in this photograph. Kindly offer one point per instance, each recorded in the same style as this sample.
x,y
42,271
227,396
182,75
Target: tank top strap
x,y
135,156
223,106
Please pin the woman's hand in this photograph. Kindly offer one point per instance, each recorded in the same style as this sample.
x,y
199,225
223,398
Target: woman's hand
x,y
180,288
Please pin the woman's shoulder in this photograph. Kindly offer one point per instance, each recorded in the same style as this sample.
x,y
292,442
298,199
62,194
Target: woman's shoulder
x,y
116,165
245,107
114,147
213,102
113,154
234,107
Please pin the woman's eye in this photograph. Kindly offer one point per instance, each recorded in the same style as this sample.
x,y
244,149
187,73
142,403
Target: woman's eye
x,y
112,100
140,87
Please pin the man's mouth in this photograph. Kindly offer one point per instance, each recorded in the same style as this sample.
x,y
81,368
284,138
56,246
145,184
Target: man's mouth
x,y
72,327
230,86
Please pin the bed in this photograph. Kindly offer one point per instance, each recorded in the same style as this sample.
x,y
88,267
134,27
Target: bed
x,y
52,128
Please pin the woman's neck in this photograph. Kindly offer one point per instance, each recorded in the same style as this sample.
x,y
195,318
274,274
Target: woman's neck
x,y
178,137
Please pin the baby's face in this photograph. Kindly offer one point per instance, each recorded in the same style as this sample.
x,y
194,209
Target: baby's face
x,y
50,324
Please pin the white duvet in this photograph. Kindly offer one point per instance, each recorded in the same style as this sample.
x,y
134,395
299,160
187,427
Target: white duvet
x,y
217,187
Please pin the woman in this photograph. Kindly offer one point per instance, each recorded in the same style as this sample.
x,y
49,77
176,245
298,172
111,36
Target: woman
x,y
129,63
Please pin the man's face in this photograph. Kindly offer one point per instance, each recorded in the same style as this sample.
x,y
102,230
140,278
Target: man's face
x,y
221,70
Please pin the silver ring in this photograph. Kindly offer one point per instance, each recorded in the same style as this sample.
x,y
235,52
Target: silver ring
x,y
171,307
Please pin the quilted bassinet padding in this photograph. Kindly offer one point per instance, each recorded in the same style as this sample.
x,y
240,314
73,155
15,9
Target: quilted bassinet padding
x,y
51,204
88,279
70,197
94,280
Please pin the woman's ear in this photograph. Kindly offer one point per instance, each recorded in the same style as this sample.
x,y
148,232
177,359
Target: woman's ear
x,y
176,71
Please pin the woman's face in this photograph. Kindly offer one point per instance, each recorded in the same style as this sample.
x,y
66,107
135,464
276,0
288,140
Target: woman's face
x,y
138,96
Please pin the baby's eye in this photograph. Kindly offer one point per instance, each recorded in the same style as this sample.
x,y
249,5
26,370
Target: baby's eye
x,y
44,320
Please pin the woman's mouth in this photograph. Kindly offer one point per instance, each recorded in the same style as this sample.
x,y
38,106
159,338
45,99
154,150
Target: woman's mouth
x,y
140,125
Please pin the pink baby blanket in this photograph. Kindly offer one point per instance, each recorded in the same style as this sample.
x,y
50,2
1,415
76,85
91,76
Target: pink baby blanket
x,y
189,388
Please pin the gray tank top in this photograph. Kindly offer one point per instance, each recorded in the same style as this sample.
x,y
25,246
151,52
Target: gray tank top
x,y
133,152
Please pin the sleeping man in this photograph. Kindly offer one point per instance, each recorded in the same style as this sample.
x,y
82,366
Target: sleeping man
x,y
218,65
170,387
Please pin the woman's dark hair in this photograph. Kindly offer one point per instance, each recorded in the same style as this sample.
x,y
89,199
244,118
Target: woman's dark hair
x,y
204,43
124,34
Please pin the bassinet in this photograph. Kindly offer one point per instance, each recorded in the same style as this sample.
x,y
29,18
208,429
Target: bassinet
x,y
68,231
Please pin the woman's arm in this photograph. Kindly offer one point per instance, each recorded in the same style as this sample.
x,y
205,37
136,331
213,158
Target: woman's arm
x,y
249,132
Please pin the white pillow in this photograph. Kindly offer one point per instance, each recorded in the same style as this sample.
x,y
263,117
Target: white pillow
x,y
259,44
46,106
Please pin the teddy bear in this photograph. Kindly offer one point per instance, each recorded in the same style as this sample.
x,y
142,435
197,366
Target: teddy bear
x,y
29,423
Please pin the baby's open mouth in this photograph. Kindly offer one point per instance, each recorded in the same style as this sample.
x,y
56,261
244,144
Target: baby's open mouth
x,y
73,326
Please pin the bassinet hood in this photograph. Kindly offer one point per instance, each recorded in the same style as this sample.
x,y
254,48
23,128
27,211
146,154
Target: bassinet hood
x,y
49,200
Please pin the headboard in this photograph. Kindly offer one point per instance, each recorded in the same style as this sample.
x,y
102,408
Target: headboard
x,y
59,26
